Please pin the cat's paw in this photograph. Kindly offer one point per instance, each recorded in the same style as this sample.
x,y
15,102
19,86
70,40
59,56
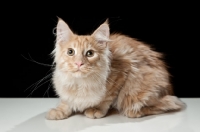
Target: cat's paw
x,y
55,114
94,113
133,114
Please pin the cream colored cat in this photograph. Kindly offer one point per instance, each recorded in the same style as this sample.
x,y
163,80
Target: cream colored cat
x,y
100,71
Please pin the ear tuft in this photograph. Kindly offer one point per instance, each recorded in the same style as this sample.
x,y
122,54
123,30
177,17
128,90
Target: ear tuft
x,y
102,33
106,21
63,32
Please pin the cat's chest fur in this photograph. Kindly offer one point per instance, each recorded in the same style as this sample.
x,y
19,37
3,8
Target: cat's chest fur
x,y
79,93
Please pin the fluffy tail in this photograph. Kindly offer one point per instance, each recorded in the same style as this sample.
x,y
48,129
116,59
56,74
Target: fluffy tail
x,y
170,103
166,104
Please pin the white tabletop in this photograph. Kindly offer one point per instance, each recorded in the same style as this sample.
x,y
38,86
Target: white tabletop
x,y
27,115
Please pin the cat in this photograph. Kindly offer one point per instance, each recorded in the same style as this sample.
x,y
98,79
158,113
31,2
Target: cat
x,y
100,71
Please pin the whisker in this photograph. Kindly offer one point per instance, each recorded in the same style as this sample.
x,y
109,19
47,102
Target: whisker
x,y
39,81
54,31
32,60
38,87
47,91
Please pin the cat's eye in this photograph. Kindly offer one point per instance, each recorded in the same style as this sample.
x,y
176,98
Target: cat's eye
x,y
90,53
70,52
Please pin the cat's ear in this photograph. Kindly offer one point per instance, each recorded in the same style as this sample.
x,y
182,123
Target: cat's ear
x,y
63,32
102,34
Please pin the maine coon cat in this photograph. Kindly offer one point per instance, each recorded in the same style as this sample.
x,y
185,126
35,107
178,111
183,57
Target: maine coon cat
x,y
96,72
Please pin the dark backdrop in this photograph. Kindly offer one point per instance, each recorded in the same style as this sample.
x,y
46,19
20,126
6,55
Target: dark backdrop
x,y
171,28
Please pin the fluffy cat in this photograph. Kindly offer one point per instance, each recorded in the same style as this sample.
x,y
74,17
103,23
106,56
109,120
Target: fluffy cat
x,y
96,72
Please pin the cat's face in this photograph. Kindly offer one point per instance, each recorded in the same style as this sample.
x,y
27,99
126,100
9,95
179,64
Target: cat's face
x,y
80,56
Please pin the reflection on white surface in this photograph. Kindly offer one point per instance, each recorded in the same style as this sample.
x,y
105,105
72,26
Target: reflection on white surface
x,y
172,122
118,123
183,121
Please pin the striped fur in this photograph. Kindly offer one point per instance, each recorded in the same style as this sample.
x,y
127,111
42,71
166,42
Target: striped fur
x,y
123,73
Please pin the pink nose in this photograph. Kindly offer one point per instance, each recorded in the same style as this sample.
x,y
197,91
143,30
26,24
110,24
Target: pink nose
x,y
79,64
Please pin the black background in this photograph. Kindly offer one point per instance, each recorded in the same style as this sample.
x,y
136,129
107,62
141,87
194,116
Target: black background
x,y
171,28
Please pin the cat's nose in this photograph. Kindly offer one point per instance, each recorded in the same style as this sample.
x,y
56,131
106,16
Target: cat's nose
x,y
79,64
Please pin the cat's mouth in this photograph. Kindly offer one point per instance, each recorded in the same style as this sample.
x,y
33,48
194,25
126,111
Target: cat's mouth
x,y
78,71
79,74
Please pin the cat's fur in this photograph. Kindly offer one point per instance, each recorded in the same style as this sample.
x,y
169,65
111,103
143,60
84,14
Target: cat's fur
x,y
124,73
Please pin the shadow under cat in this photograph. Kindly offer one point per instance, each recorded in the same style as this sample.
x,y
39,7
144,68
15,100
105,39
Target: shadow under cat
x,y
113,121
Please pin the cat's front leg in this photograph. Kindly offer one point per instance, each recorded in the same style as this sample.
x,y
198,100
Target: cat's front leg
x,y
62,111
99,111
94,113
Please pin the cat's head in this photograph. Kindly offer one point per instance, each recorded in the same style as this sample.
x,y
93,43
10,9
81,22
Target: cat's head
x,y
81,55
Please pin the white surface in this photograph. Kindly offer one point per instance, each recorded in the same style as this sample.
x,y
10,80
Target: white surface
x,y
27,115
